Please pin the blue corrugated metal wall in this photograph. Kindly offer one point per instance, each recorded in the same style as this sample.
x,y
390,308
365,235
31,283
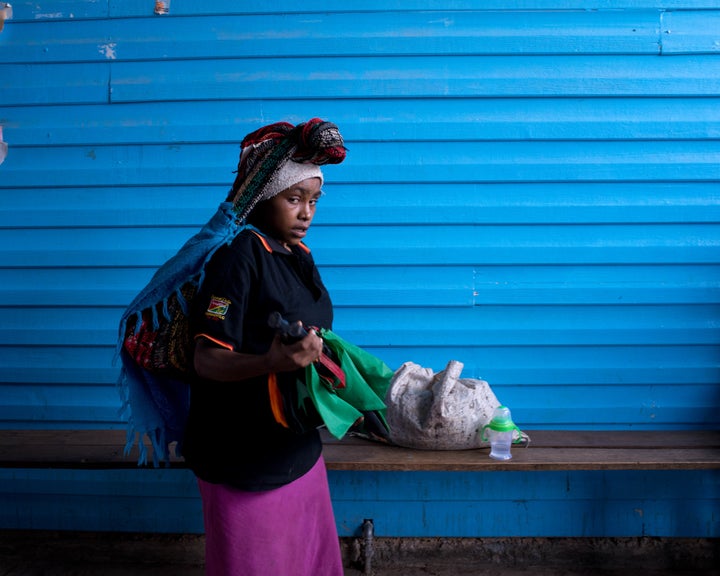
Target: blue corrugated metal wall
x,y
532,191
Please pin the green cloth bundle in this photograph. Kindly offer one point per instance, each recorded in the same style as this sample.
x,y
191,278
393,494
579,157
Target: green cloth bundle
x,y
367,379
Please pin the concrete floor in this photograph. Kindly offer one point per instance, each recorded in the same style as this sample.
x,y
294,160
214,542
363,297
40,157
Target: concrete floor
x,y
117,554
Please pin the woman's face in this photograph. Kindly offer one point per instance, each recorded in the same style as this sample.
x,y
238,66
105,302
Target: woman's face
x,y
287,216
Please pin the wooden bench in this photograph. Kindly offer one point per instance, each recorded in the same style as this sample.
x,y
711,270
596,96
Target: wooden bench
x,y
550,450
403,492
369,479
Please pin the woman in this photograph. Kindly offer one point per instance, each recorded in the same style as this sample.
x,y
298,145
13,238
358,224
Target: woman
x,y
266,502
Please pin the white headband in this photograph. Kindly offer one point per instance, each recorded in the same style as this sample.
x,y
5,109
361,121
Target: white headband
x,y
290,174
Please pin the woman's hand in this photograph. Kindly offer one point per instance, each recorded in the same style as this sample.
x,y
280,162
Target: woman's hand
x,y
283,357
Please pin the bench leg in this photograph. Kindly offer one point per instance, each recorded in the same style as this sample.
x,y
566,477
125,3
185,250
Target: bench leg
x,y
368,533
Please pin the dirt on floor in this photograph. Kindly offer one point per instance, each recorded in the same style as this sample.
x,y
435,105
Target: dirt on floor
x,y
118,554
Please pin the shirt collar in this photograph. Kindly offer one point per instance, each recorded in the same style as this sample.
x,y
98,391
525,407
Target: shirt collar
x,y
272,245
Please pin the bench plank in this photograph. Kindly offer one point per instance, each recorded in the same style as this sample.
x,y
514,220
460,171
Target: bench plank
x,y
340,457
68,449
549,450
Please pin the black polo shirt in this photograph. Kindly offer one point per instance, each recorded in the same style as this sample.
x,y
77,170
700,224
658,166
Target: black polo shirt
x,y
232,437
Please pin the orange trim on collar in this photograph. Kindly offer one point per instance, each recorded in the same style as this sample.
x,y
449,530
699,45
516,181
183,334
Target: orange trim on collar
x,y
263,240
267,246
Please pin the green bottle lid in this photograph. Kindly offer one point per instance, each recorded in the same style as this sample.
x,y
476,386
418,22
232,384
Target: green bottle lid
x,y
501,420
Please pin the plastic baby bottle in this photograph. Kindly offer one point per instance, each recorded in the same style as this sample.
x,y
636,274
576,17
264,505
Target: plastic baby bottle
x,y
500,433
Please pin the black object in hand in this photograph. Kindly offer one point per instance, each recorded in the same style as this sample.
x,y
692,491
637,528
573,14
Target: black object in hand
x,y
328,365
289,333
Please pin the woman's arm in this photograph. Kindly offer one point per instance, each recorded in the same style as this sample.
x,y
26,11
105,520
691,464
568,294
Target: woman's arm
x,y
216,363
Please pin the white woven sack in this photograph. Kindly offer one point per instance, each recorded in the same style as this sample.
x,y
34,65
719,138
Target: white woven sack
x,y
438,411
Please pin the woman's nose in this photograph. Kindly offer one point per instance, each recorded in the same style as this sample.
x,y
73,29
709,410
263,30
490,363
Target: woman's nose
x,y
306,210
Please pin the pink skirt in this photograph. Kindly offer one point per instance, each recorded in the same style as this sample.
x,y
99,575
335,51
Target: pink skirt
x,y
289,531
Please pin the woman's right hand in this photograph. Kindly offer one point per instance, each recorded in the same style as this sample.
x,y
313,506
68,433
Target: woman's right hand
x,y
282,357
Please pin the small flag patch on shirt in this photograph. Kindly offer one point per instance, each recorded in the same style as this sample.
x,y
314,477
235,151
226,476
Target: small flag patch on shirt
x,y
218,308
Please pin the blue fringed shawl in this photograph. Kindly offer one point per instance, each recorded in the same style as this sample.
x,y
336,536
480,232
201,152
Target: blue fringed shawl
x,y
156,406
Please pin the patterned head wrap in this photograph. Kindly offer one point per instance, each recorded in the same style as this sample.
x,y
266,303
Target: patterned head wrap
x,y
262,171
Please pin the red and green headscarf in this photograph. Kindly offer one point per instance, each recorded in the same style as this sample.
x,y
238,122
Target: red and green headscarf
x,y
279,155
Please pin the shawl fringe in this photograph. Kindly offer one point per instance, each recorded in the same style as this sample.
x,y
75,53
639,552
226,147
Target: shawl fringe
x,y
156,404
